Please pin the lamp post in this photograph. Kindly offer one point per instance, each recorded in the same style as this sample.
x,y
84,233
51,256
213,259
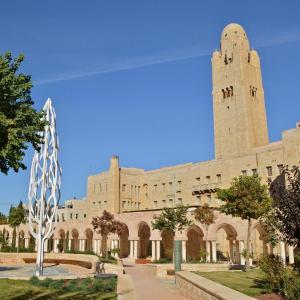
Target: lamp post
x,y
44,187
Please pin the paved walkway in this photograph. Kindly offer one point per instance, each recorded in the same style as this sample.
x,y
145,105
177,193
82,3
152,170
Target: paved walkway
x,y
147,286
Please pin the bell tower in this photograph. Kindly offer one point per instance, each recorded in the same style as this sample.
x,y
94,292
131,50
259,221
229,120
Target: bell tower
x,y
240,122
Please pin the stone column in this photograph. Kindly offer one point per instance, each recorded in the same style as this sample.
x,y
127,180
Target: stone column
x,y
26,242
153,248
214,251
282,251
55,249
17,240
291,254
207,246
183,251
241,248
46,246
131,254
70,244
158,250
135,249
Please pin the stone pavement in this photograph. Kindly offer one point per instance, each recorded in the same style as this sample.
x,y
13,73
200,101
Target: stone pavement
x,y
147,286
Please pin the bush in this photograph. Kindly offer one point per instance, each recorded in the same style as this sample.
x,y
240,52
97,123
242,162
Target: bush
x,y
278,279
162,261
80,252
296,264
86,286
108,260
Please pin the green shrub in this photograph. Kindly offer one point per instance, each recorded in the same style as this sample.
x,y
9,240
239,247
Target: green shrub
x,y
162,261
86,286
80,252
296,264
278,279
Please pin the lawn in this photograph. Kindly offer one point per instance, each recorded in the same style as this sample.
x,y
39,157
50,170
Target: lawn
x,y
244,282
102,289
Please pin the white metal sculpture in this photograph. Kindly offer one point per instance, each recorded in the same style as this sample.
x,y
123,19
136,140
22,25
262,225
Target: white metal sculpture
x,y
44,188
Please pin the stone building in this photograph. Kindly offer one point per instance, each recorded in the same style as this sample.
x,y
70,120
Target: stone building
x,y
241,147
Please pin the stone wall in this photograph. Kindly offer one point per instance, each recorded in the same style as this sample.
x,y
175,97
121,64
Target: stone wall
x,y
195,287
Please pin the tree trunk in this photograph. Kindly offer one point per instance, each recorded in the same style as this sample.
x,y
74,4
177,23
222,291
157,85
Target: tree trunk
x,y
247,266
104,246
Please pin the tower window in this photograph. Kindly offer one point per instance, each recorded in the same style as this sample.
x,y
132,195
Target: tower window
x,y
227,92
269,171
219,178
208,179
280,169
244,172
254,171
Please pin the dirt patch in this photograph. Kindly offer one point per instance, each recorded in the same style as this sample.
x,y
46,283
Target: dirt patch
x,y
270,297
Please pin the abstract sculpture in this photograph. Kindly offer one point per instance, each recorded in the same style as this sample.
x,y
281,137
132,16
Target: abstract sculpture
x,y
44,187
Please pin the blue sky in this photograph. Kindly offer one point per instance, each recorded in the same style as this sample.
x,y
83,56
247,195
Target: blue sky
x,y
133,78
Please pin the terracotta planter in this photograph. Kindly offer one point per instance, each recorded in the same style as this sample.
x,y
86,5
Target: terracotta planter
x,y
142,261
170,272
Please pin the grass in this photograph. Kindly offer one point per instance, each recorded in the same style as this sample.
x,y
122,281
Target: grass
x,y
249,283
77,289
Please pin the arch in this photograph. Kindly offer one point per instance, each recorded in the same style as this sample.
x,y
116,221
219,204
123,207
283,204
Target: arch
x,y
258,245
124,243
226,243
194,243
89,239
167,242
21,239
74,240
144,237
62,240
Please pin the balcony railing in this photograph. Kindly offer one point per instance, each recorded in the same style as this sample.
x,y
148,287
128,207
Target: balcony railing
x,y
205,188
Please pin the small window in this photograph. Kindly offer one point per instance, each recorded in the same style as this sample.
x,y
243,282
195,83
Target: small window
x,y
163,186
76,216
208,179
94,203
155,187
280,169
171,202
254,171
198,178
84,215
269,171
244,172
123,204
219,178
155,204
209,198
123,187
71,216
179,201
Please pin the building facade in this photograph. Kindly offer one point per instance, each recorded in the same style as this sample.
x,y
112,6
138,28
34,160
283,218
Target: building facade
x,y
241,147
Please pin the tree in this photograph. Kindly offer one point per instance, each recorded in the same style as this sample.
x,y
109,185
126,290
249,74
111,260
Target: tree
x,y
3,219
20,123
17,216
106,225
172,219
205,215
285,191
248,199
